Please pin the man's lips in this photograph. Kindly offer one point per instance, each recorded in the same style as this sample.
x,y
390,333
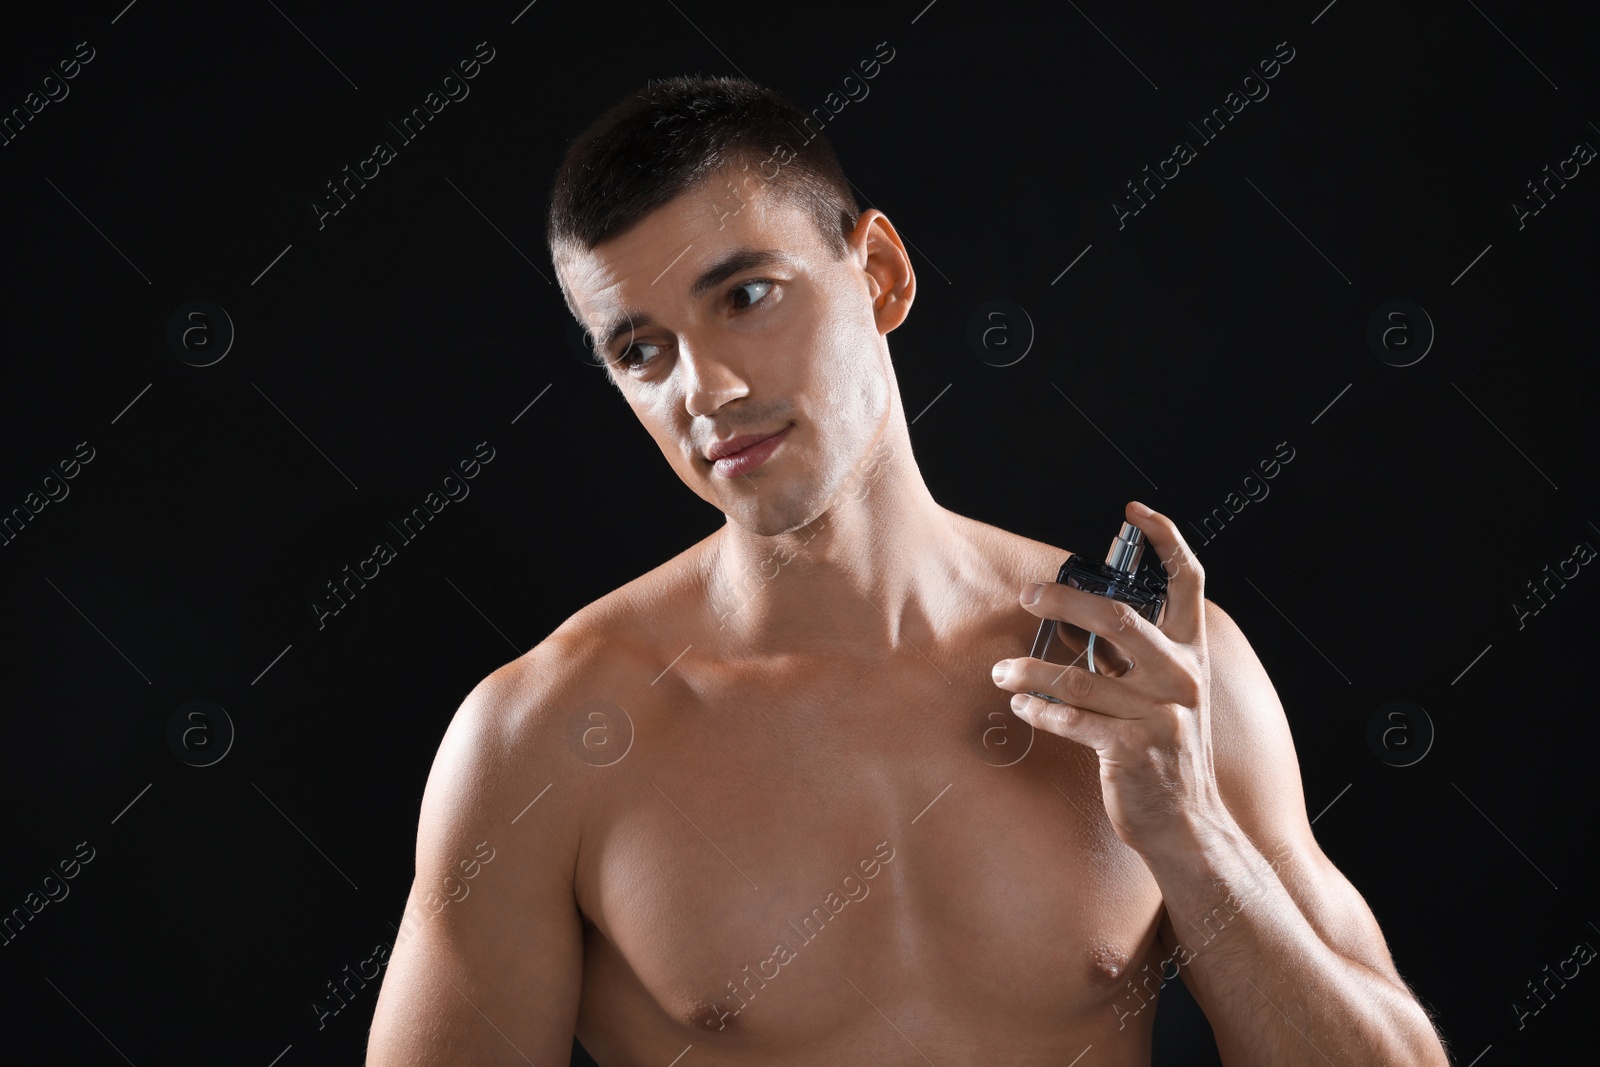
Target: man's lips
x,y
735,445
758,448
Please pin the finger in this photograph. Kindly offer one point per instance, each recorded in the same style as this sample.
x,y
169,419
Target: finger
x,y
1077,686
1184,620
1139,638
1086,727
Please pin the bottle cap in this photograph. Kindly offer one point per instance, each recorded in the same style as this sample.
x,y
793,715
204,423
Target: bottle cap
x,y
1126,549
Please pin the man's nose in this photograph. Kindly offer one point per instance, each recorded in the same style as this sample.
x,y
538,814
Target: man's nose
x,y
711,378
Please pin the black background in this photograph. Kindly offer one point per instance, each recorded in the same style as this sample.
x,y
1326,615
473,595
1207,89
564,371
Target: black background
x,y
1227,317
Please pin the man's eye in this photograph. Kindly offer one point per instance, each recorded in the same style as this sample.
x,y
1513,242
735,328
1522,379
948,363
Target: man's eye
x,y
627,359
750,302
628,362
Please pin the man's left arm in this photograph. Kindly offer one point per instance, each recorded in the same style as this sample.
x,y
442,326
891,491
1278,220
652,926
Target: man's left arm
x,y
1199,776
1284,956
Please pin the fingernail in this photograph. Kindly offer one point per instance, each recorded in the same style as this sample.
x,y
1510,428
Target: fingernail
x,y
1019,701
1001,669
1030,593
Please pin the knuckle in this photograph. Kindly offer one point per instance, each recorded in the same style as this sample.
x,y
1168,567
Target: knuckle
x,y
1080,683
1071,718
1171,720
1192,689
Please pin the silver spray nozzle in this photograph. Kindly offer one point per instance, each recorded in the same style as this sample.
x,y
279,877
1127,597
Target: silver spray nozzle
x,y
1126,549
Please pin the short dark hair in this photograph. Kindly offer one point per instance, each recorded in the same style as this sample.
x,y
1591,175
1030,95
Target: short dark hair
x,y
669,136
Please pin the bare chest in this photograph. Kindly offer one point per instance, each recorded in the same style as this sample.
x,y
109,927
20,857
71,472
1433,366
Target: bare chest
x,y
784,864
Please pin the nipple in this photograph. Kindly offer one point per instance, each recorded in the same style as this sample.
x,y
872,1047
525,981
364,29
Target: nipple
x,y
707,1014
1107,962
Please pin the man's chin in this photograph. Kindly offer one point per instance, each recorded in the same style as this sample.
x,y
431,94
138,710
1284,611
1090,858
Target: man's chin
x,y
764,525
770,518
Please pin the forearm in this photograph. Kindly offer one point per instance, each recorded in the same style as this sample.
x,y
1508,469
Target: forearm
x,y
1273,991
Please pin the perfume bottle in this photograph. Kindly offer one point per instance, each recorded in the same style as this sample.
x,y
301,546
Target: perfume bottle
x,y
1119,578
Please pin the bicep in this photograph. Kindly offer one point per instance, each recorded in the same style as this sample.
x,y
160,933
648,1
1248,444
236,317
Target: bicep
x,y
487,966
460,989
1258,775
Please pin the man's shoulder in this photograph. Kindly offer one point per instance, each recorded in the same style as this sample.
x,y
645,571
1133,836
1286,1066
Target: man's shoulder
x,y
530,726
1012,553
582,660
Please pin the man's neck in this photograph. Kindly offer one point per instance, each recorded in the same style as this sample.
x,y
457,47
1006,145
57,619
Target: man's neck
x,y
879,569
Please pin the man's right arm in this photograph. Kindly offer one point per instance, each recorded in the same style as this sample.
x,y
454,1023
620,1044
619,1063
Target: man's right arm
x,y
487,966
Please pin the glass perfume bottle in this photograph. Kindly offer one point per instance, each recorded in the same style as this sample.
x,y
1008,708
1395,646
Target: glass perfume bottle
x,y
1119,578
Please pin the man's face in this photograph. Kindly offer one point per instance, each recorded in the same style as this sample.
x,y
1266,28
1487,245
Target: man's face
x,y
704,353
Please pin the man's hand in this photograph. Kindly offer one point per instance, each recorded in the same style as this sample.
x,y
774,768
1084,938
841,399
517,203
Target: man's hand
x,y
1150,724
1292,965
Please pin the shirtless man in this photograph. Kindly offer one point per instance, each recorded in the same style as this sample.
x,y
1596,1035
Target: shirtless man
x,y
767,804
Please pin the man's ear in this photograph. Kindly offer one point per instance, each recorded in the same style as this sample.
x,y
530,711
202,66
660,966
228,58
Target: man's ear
x,y
876,245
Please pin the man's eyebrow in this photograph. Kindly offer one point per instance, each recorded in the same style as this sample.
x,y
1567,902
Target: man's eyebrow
x,y
740,259
734,262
